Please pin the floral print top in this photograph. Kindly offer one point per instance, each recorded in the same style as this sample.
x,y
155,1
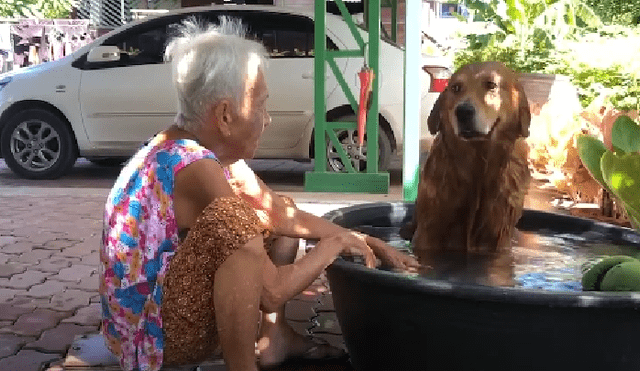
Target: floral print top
x,y
139,237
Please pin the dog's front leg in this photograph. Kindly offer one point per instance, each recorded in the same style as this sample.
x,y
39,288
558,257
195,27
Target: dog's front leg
x,y
470,242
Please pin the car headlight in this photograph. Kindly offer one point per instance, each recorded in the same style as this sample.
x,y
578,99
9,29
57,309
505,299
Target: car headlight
x,y
4,81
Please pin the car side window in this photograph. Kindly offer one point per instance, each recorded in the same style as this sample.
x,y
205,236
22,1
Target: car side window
x,y
283,35
141,46
286,36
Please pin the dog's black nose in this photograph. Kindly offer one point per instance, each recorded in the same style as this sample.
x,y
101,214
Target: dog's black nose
x,y
465,114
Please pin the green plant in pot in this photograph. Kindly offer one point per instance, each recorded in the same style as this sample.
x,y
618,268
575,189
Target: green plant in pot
x,y
618,171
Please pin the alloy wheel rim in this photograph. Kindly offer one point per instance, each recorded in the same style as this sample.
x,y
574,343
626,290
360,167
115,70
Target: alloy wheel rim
x,y
35,145
349,142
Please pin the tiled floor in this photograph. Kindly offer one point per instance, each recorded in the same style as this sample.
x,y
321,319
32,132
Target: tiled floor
x,y
311,312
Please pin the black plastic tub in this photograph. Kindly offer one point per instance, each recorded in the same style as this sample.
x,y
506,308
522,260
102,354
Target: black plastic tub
x,y
392,322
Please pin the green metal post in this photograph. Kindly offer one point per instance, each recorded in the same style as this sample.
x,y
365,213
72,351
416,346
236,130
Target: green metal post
x,y
394,20
320,180
374,64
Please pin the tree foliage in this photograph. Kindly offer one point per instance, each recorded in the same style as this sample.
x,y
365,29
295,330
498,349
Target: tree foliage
x,y
622,12
36,8
525,33
539,36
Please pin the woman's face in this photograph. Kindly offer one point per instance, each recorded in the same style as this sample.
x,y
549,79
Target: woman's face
x,y
251,117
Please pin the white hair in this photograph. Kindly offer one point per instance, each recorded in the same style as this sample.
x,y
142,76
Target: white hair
x,y
210,63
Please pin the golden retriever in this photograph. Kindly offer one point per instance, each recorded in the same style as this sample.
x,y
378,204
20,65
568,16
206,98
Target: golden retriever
x,y
473,184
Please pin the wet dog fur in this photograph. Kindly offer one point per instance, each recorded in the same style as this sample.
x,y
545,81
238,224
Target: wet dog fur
x,y
472,187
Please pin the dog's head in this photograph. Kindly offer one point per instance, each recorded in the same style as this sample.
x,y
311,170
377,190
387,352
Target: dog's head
x,y
482,100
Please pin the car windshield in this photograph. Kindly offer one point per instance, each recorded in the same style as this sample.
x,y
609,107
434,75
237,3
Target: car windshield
x,y
384,36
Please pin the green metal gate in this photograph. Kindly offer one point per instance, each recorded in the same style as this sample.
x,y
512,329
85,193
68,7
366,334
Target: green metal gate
x,y
352,180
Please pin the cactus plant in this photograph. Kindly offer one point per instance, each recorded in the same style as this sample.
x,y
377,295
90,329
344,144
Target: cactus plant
x,y
617,169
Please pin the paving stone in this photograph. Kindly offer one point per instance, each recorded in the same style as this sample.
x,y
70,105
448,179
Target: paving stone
x,y
93,240
88,231
326,322
326,304
6,240
27,279
47,289
301,327
86,316
10,313
297,310
70,300
78,251
9,269
75,273
90,283
333,340
56,263
59,244
5,257
10,344
95,299
91,259
27,360
17,247
34,323
37,238
34,256
59,338
7,295
31,303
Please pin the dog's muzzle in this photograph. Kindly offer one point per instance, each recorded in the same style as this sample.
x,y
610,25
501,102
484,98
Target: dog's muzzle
x,y
467,121
466,116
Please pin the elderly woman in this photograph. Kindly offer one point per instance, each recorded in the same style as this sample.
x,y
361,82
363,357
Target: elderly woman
x,y
184,264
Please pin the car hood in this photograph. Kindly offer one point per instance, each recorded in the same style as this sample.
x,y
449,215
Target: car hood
x,y
37,69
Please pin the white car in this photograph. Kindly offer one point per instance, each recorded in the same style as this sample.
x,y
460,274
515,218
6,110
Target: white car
x,y
102,105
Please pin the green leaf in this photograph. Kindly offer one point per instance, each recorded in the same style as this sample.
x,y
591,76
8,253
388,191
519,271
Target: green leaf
x,y
625,135
590,150
621,172
515,11
634,218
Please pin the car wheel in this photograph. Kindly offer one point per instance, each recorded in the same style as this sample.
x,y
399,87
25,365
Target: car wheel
x,y
37,144
349,141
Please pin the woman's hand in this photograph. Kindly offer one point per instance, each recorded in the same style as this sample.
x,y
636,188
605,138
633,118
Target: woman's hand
x,y
391,256
349,243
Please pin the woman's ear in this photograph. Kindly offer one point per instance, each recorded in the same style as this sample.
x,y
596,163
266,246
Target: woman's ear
x,y
223,113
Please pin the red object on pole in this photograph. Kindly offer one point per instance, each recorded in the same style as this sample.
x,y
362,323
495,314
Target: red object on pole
x,y
366,76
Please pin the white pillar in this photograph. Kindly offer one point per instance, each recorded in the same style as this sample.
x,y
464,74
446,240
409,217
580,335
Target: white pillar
x,y
410,163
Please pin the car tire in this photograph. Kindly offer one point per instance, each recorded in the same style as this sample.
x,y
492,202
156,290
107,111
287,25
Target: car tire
x,y
349,140
38,144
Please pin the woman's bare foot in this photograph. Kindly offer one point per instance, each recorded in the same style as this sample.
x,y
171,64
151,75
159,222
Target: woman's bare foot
x,y
279,343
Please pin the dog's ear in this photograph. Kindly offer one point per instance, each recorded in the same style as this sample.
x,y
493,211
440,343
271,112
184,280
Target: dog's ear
x,y
435,118
524,112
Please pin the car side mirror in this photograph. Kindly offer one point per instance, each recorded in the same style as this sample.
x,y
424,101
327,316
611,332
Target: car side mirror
x,y
104,53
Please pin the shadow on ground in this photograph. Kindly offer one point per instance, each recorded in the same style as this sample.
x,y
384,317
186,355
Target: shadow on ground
x,y
280,175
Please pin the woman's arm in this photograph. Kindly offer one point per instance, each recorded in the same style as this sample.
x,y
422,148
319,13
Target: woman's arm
x,y
280,284
284,218
280,216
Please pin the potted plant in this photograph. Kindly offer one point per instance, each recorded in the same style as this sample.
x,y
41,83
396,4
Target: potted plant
x,y
616,168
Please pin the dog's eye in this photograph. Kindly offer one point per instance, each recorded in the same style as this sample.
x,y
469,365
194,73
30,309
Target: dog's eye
x,y
456,88
491,85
